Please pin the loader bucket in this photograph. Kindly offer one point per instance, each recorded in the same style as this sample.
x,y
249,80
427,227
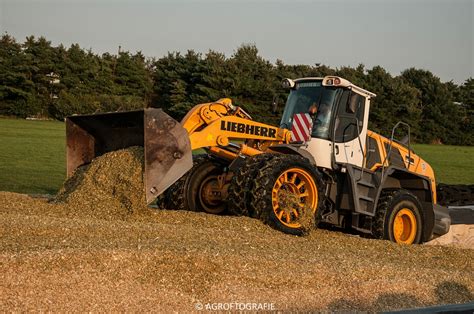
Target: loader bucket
x,y
166,143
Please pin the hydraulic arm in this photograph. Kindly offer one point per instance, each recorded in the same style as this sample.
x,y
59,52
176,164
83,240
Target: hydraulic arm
x,y
214,125
219,127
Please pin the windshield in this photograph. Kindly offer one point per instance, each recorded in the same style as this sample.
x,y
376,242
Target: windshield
x,y
311,97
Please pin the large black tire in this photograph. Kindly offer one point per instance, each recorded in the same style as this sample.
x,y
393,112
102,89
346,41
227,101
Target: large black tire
x,y
174,196
194,186
265,202
243,182
398,207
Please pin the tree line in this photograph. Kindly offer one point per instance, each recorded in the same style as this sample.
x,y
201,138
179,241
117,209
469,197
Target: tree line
x,y
40,80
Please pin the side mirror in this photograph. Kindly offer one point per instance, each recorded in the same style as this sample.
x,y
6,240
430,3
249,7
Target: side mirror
x,y
352,104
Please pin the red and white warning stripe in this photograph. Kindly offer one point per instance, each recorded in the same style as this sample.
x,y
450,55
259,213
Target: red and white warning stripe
x,y
301,129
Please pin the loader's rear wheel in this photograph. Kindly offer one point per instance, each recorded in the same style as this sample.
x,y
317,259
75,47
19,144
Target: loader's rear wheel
x,y
202,192
243,182
287,193
398,217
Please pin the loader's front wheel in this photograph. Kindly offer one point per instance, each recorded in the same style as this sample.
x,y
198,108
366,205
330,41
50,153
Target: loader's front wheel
x,y
287,193
398,217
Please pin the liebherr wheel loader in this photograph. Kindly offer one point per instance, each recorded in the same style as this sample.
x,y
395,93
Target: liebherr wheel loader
x,y
323,156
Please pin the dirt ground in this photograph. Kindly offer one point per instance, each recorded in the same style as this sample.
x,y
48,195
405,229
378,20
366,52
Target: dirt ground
x,y
52,259
96,247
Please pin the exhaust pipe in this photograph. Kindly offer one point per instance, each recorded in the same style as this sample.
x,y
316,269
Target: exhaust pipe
x,y
168,154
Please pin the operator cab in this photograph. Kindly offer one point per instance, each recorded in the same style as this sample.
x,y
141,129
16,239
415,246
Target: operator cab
x,y
339,113
311,97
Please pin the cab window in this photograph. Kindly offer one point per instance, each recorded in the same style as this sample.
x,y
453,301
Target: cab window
x,y
350,112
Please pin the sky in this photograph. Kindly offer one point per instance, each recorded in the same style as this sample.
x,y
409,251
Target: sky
x,y
436,35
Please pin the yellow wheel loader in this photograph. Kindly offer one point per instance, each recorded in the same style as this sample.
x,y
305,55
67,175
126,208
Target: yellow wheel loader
x,y
322,162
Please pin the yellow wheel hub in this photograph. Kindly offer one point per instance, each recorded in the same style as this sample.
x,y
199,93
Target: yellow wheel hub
x,y
405,226
293,192
210,196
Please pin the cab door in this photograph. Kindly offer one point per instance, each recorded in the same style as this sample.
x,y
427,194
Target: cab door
x,y
350,126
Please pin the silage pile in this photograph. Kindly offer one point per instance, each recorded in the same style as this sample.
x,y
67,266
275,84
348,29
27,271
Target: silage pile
x,y
174,259
56,257
77,253
288,202
110,187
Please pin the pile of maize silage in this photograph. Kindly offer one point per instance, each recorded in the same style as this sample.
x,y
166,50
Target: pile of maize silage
x,y
289,202
110,187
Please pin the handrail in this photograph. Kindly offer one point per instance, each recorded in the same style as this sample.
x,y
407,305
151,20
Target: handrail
x,y
387,156
361,149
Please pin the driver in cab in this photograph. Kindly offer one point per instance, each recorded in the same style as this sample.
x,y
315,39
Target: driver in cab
x,y
320,117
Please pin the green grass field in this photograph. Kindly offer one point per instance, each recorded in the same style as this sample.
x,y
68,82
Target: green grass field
x,y
32,157
452,164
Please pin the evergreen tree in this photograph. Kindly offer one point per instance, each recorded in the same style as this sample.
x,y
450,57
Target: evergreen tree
x,y
37,79
395,101
440,116
17,90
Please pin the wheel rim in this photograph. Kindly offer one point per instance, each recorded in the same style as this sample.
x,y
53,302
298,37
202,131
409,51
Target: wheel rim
x,y
209,197
293,192
404,226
